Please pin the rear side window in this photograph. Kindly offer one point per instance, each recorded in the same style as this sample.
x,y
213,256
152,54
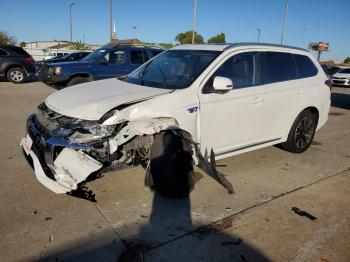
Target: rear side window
x,y
17,50
305,66
156,52
137,57
278,67
2,52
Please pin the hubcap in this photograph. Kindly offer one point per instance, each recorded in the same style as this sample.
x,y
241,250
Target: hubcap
x,y
304,132
16,76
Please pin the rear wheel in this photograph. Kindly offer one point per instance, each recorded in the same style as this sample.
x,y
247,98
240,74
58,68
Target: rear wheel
x,y
171,165
16,75
302,133
78,80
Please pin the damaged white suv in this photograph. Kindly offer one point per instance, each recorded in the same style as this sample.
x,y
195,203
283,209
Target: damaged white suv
x,y
187,106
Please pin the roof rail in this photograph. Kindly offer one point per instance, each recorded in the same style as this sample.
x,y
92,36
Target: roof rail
x,y
233,45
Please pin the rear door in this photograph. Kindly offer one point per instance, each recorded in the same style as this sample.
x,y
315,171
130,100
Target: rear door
x,y
113,64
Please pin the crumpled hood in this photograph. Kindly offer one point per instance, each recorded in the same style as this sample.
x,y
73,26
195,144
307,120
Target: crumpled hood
x,y
90,101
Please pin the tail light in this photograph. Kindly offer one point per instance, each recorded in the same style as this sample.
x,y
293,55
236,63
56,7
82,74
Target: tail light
x,y
29,59
328,83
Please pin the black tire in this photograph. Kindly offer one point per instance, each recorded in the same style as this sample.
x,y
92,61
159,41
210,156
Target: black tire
x,y
78,80
171,165
302,133
16,75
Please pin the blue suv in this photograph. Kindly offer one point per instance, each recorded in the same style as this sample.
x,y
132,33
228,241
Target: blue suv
x,y
109,61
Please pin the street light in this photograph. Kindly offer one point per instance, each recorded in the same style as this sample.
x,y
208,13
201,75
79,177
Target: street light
x,y
110,20
194,21
70,21
259,31
285,21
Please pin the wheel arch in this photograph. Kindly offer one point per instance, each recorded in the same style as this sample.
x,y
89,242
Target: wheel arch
x,y
85,75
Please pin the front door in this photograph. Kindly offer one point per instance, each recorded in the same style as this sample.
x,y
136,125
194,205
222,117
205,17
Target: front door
x,y
112,64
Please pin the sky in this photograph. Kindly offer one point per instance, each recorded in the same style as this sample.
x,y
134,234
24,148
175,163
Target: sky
x,y
161,20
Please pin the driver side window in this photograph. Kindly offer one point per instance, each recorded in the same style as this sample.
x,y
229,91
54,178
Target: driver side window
x,y
242,69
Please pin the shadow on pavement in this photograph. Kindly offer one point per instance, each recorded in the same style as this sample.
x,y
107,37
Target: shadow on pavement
x,y
340,100
171,220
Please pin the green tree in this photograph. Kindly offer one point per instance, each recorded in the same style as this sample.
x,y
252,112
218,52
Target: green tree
x,y
6,39
78,46
347,60
166,45
219,38
22,44
186,38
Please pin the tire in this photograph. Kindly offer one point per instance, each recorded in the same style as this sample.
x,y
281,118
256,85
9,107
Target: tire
x,y
77,80
16,75
171,165
302,133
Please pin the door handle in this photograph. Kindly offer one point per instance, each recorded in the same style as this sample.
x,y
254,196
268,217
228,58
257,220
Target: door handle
x,y
258,100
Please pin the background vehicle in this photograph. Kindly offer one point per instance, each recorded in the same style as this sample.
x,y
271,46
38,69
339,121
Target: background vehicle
x,y
76,56
53,55
190,104
342,77
15,64
107,62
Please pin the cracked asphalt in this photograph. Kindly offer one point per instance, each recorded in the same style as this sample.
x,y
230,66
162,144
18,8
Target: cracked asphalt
x,y
131,223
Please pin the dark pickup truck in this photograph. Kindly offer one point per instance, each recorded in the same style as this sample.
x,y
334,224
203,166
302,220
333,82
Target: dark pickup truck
x,y
15,64
109,61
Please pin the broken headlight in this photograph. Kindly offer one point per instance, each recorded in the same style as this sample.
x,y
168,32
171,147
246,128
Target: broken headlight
x,y
90,133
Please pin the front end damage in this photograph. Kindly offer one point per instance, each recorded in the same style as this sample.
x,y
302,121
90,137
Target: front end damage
x,y
65,152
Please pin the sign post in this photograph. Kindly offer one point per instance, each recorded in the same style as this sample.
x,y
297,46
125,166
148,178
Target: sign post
x,y
319,47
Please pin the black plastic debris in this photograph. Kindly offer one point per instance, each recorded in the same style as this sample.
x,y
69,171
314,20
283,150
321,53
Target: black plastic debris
x,y
303,213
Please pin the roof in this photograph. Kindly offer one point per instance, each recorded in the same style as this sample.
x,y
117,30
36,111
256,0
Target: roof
x,y
224,47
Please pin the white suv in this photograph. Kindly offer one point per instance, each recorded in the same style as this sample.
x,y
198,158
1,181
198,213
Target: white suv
x,y
189,105
342,77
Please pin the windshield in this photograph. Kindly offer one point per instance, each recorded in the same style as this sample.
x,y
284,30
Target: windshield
x,y
95,56
173,69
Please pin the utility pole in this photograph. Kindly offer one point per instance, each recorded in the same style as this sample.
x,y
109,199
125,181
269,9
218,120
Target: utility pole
x,y
285,21
194,21
110,20
70,21
259,31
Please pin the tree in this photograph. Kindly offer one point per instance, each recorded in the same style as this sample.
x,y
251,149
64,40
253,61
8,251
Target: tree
x,y
6,39
22,44
219,38
78,46
186,38
347,60
166,45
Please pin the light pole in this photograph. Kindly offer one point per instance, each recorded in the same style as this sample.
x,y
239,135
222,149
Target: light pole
x,y
259,31
285,21
194,21
70,21
110,20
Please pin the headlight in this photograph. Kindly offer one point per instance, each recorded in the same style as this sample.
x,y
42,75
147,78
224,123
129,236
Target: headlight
x,y
57,70
91,133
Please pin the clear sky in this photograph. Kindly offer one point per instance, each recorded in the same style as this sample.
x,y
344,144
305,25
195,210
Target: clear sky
x,y
160,20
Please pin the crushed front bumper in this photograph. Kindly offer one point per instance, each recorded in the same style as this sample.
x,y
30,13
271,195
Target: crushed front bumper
x,y
58,164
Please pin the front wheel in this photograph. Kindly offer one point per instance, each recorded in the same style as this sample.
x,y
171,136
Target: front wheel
x,y
16,75
302,133
171,165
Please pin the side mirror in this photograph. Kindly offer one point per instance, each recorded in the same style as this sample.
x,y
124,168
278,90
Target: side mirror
x,y
222,84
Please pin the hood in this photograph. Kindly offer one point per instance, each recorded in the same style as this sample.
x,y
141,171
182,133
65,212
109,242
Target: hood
x,y
90,101
71,63
344,75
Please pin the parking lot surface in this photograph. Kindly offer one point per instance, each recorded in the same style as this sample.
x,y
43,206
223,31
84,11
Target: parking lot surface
x,y
131,223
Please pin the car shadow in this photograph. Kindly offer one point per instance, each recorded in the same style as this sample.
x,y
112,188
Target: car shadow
x,y
168,235
340,100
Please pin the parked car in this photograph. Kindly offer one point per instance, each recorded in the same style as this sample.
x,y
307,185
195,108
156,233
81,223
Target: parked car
x,y
192,104
342,77
15,64
107,62
54,55
65,58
